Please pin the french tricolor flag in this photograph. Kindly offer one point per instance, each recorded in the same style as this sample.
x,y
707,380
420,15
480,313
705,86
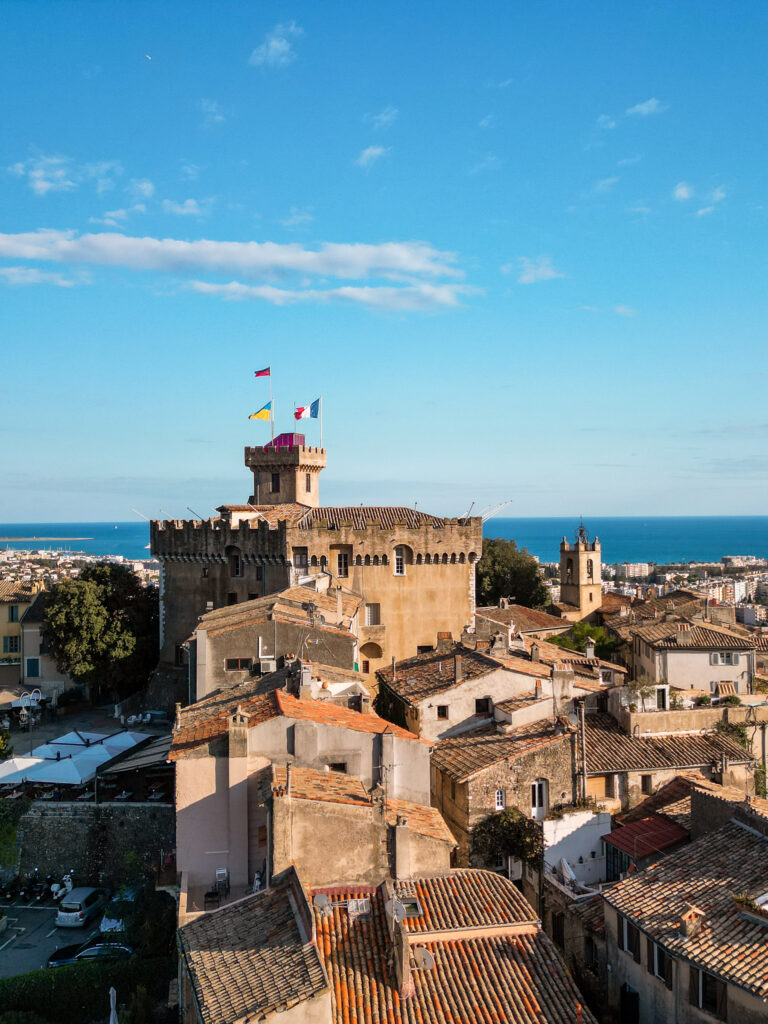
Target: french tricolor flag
x,y
307,412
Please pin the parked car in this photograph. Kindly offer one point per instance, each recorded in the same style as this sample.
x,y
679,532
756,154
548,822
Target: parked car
x,y
119,909
88,952
79,906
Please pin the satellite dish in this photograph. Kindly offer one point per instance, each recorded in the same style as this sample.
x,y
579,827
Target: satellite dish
x,y
321,903
399,912
423,959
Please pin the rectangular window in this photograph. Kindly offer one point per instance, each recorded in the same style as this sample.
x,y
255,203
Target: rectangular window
x,y
205,574
708,993
338,766
373,615
33,668
13,613
646,784
629,938
558,930
483,706
424,649
259,573
231,598
275,483
262,839
10,645
235,565
238,664
252,597
500,800
307,482
366,666
442,711
178,654
300,558
343,564
399,562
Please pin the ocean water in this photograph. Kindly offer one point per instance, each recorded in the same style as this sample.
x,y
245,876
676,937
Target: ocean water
x,y
623,539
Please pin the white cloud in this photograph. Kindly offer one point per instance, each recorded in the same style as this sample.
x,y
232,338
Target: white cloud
x,y
384,119
141,188
189,171
115,218
297,218
705,211
266,260
605,122
534,270
682,191
46,174
488,163
277,50
604,185
370,155
189,208
648,107
718,194
640,208
213,113
625,311
486,122
628,161
417,296
17,276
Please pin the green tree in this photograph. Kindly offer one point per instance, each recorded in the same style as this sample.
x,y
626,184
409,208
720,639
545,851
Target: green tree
x,y
508,834
576,640
504,571
102,628
6,750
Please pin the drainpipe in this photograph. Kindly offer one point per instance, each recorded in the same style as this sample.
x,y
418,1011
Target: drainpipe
x,y
583,752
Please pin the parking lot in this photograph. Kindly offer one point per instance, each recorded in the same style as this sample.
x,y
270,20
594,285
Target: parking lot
x,y
31,937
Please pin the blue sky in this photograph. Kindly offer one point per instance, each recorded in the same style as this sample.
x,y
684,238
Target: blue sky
x,y
520,250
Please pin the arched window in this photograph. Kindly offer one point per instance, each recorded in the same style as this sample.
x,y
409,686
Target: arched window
x,y
569,571
445,559
427,559
590,568
418,559
462,558
453,558
235,560
367,560
313,561
358,559
375,559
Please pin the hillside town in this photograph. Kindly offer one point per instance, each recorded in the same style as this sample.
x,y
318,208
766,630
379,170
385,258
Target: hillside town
x,y
373,797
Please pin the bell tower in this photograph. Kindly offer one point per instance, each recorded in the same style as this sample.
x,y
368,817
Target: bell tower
x,y
581,573
286,470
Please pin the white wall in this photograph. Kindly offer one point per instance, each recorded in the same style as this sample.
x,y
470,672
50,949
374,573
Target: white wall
x,y
578,835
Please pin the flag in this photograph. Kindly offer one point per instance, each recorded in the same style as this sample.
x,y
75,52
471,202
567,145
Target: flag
x,y
264,413
263,373
306,412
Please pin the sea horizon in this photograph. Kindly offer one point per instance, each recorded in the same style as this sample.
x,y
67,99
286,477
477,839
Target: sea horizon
x,y
657,539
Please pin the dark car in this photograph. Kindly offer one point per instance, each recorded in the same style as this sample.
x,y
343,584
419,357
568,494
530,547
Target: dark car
x,y
88,952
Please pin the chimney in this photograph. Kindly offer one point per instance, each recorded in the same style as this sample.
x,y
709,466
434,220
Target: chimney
x,y
444,642
690,921
288,779
499,645
535,652
503,603
537,690
589,647
305,683
458,669
684,634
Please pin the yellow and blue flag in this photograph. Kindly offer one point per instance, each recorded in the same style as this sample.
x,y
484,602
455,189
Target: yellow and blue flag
x,y
264,413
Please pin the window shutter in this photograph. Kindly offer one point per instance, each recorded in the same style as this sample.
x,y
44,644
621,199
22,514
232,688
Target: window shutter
x,y
649,946
693,985
722,1000
713,659
620,931
735,659
668,971
5,645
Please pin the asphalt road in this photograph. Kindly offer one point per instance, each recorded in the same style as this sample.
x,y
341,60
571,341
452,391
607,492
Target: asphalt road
x,y
31,937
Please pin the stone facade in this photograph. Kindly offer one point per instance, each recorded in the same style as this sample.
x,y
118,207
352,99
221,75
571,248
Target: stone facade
x,y
580,577
415,571
465,804
63,837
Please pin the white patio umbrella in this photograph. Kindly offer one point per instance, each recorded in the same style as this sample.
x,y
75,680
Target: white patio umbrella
x,y
66,772
112,1006
14,769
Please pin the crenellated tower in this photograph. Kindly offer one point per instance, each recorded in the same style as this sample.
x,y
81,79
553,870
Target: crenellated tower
x,y
581,573
285,471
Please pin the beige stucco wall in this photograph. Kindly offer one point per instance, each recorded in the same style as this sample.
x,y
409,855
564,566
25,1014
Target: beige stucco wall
x,y
691,669
202,817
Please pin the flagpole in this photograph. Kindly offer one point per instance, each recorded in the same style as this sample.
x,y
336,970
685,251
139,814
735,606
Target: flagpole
x,y
271,406
321,421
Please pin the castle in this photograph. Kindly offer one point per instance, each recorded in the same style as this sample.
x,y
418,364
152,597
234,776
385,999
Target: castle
x,y
414,572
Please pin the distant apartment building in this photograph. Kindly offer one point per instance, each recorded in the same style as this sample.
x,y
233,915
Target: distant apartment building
x,y
15,599
633,570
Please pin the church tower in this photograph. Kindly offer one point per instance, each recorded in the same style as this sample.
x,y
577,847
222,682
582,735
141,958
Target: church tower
x,y
581,573
286,470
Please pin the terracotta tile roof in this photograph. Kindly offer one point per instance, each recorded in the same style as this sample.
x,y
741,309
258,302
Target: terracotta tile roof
x,y
289,512
591,913
330,714
672,799
426,821
253,958
506,979
702,637
551,654
460,757
525,620
12,592
525,700
420,677
761,641
612,601
261,700
706,874
523,666
359,516
647,836
611,750
312,784
464,899
292,604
